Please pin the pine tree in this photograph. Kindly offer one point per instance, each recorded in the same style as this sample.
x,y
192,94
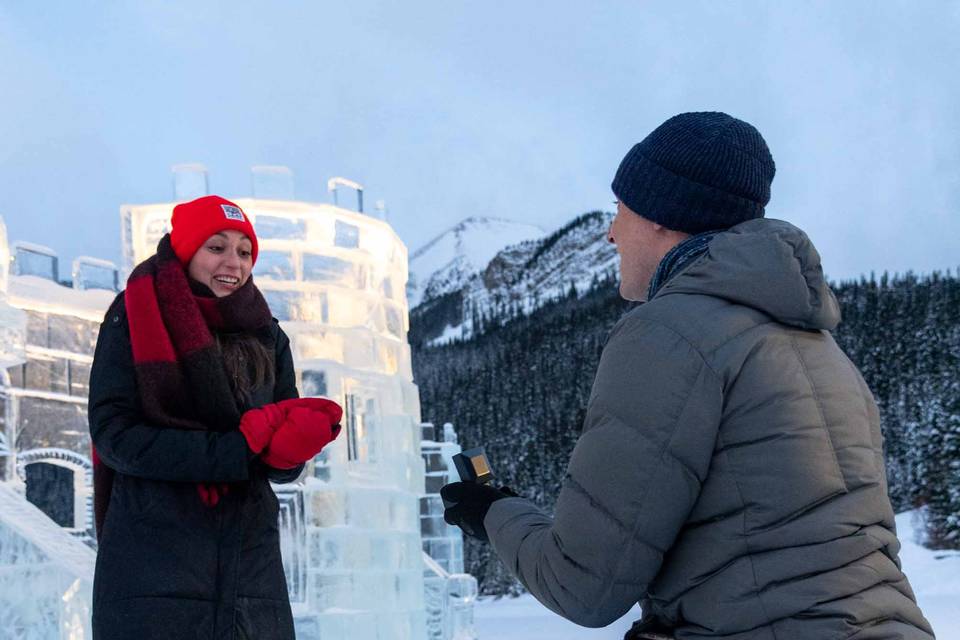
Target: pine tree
x,y
942,469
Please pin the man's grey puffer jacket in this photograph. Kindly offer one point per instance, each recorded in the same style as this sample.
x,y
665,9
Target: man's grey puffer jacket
x,y
730,473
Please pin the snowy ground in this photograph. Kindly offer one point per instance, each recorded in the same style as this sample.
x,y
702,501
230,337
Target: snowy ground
x,y
935,576
525,618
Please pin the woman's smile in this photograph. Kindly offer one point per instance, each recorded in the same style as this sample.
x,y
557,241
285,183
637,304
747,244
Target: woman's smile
x,y
229,283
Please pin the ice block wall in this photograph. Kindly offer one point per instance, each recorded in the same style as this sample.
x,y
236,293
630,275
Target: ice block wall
x,y
450,593
351,528
441,541
49,330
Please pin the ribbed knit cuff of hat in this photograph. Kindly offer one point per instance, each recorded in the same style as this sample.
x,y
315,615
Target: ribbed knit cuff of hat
x,y
676,202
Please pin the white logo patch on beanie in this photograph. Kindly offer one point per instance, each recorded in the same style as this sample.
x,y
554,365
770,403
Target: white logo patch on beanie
x,y
232,213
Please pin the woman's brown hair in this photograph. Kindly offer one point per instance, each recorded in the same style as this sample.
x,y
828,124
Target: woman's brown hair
x,y
247,362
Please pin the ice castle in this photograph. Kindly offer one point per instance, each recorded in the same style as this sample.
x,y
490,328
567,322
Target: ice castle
x,y
366,552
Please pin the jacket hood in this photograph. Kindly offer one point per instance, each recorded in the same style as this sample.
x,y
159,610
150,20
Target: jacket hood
x,y
766,264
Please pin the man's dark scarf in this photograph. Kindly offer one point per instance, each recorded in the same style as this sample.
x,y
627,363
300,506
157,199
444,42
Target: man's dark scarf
x,y
179,367
678,258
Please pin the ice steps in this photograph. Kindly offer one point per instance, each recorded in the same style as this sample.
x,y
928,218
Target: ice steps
x,y
34,526
46,575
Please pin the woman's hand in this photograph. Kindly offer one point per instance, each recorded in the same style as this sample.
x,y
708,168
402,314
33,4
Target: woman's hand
x,y
333,410
309,425
258,425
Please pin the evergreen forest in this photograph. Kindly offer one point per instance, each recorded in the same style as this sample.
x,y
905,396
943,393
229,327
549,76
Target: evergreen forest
x,y
520,389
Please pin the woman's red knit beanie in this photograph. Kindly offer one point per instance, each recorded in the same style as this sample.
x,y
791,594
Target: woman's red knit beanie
x,y
195,221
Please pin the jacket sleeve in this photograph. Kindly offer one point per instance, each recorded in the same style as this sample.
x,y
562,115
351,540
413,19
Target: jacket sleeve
x,y
632,480
127,443
285,387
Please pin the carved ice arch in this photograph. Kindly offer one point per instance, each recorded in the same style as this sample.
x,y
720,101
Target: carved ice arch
x,y
82,469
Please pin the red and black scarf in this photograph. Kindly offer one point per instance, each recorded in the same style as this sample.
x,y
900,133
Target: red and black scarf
x,y
179,367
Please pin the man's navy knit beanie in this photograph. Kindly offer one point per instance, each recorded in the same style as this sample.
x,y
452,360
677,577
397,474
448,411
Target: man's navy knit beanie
x,y
697,172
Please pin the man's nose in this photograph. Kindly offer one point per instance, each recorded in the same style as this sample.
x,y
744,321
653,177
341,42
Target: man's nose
x,y
610,235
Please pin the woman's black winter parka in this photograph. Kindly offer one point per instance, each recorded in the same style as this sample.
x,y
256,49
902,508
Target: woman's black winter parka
x,y
169,567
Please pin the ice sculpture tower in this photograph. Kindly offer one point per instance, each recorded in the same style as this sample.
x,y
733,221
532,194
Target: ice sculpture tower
x,y
336,280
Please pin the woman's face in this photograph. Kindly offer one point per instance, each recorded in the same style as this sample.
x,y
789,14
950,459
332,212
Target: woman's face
x,y
223,262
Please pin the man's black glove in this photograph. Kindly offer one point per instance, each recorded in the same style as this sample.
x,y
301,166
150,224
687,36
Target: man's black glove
x,y
468,503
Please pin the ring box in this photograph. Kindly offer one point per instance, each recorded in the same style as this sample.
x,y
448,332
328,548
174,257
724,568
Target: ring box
x,y
473,466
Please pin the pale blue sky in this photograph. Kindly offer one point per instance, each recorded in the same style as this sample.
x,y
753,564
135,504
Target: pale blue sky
x,y
514,109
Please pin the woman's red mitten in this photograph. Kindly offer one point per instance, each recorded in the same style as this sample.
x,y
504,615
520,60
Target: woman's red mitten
x,y
333,410
258,425
302,435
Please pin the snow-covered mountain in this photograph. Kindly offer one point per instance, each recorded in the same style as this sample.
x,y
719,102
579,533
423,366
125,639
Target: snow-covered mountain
x,y
447,262
534,272
520,276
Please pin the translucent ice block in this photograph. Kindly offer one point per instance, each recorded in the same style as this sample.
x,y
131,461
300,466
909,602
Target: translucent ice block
x,y
326,506
274,265
314,383
283,304
189,181
333,270
449,600
13,335
318,345
330,590
346,235
91,273
275,227
35,260
272,181
394,321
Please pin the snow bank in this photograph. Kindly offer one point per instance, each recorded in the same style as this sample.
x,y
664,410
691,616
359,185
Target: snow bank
x,y
935,577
